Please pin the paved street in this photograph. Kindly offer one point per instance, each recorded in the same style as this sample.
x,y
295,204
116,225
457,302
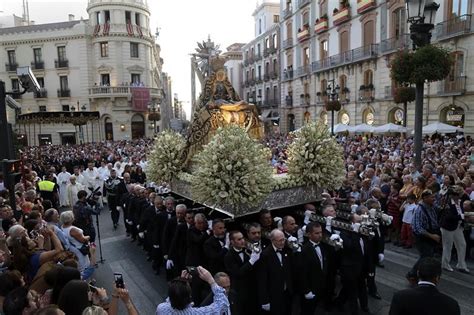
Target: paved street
x,y
147,289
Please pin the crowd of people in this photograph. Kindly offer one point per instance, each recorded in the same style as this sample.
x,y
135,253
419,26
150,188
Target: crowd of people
x,y
259,264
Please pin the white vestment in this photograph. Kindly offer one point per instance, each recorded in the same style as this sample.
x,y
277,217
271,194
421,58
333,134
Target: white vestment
x,y
63,181
72,191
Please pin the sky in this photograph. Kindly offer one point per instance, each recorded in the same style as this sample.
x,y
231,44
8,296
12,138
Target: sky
x,y
181,24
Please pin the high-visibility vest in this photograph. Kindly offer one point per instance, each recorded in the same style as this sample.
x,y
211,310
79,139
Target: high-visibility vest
x,y
46,185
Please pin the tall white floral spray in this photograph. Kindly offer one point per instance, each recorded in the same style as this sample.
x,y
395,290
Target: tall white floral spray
x,y
315,157
165,159
232,169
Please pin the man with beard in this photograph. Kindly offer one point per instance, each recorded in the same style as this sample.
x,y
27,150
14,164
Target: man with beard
x,y
83,215
254,235
115,187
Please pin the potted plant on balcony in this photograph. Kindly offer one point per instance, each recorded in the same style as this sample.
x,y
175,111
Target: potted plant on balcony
x,y
362,87
369,87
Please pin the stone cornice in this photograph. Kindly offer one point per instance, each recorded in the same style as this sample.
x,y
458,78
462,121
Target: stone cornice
x,y
120,4
43,40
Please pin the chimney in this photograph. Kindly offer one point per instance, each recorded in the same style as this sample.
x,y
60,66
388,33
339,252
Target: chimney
x,y
71,17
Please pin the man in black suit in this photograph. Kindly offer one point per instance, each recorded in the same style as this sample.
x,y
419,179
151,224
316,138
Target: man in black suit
x,y
177,251
148,221
353,268
274,276
254,235
240,266
216,247
196,236
425,298
315,263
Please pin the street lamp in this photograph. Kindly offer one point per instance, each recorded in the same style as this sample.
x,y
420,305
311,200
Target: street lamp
x,y
333,103
154,114
421,15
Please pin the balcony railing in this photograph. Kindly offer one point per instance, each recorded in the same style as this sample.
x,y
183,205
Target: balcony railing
x,y
453,86
61,63
120,91
37,65
348,57
453,27
395,43
367,95
287,74
302,3
16,96
11,67
271,102
266,52
258,57
43,93
274,75
288,43
303,34
304,70
64,93
287,12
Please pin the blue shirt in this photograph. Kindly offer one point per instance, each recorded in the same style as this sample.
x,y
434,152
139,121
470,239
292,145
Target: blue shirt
x,y
220,302
421,222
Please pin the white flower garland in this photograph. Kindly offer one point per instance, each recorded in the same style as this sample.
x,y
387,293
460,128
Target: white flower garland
x,y
232,169
165,158
315,158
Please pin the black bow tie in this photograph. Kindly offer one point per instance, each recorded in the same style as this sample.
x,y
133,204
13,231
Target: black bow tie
x,y
316,245
279,251
238,251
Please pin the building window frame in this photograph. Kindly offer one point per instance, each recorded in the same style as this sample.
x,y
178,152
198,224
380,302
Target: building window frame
x,y
104,49
134,50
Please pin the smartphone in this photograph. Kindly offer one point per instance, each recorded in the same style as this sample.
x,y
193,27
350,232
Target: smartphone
x,y
92,288
191,270
119,280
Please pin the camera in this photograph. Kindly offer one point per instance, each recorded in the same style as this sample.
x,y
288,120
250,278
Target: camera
x,y
27,79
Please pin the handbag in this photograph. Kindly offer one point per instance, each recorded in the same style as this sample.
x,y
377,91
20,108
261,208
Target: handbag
x,y
84,249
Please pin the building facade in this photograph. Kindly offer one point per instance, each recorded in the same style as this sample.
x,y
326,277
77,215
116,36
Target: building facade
x,y
350,44
233,66
109,65
261,64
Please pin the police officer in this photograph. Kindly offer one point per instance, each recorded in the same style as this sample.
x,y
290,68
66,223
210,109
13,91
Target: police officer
x,y
115,187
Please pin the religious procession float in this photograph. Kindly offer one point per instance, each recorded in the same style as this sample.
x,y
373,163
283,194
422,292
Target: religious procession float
x,y
221,163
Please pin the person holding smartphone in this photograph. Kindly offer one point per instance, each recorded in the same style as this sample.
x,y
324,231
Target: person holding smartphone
x,y
179,300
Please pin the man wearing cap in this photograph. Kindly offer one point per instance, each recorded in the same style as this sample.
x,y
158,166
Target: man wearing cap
x,y
426,230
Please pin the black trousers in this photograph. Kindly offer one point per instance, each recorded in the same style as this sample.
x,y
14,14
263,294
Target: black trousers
x,y
114,214
308,306
354,288
426,248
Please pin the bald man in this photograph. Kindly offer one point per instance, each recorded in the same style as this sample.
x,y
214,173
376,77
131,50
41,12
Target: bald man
x,y
274,275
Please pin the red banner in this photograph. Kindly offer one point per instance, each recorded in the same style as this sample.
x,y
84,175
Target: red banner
x,y
139,31
140,98
96,30
106,29
130,29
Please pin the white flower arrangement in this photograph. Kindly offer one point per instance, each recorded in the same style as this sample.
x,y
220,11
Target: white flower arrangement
x,y
165,158
232,169
315,158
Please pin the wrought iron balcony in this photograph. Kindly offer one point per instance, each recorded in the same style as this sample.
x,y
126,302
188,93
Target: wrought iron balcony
x,y
64,93
395,43
258,57
452,86
367,94
266,77
288,43
304,70
453,27
352,56
302,3
43,93
61,63
287,74
37,65
11,67
287,12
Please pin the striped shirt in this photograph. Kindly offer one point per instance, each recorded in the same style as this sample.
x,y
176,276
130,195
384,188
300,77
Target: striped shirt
x,y
220,302
422,223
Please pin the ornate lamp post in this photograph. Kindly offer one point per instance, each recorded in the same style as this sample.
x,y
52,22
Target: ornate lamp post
x,y
154,114
333,103
421,15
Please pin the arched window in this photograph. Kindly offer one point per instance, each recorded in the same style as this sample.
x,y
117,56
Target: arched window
x,y
138,126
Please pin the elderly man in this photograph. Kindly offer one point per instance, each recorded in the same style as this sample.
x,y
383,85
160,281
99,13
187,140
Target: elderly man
x,y
274,276
51,216
72,189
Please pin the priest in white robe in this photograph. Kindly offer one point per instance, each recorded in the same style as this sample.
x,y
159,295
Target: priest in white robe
x,y
63,181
